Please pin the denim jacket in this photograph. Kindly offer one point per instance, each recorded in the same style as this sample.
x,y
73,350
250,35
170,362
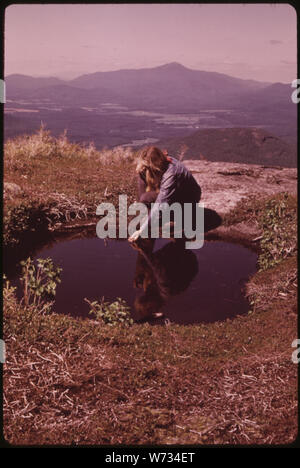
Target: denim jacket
x,y
177,185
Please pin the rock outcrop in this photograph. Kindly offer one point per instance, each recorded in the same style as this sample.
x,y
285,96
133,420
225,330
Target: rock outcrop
x,y
225,184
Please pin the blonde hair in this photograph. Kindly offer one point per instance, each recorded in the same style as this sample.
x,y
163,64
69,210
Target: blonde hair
x,y
153,163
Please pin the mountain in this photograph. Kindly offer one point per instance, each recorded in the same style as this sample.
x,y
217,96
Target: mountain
x,y
65,95
217,99
240,145
170,87
278,94
17,83
167,88
173,74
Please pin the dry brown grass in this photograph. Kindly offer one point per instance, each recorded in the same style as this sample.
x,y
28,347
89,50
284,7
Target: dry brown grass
x,y
72,381
281,285
82,394
244,398
60,182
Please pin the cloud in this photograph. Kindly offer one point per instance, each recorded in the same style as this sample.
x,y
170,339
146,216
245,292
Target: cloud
x,y
275,42
288,62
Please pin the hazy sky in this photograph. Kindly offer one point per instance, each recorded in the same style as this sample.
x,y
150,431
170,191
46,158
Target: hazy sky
x,y
64,40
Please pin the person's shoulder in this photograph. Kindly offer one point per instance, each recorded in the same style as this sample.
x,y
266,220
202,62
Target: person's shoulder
x,y
172,159
174,162
172,167
178,166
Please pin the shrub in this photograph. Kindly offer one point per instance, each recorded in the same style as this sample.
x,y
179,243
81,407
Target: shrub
x,y
111,313
21,221
279,239
39,283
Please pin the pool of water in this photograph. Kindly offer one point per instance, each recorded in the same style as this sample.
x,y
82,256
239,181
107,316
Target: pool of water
x,y
188,286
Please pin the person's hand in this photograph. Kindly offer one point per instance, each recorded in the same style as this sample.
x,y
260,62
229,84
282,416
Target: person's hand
x,y
136,246
135,236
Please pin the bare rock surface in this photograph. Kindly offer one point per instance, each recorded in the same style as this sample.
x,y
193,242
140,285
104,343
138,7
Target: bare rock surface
x,y
225,184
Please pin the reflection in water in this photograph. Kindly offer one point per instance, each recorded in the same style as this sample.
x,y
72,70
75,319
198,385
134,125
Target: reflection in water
x,y
162,274
188,286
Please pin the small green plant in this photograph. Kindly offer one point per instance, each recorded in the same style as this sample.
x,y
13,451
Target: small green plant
x,y
8,290
279,239
22,221
111,313
39,283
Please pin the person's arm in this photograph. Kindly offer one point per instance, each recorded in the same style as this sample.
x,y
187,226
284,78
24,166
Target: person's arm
x,y
165,195
159,273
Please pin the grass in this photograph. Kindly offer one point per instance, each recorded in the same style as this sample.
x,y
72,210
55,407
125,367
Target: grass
x,y
60,182
89,383
74,381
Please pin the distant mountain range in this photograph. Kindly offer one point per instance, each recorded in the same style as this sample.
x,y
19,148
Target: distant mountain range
x,y
241,145
170,87
224,101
